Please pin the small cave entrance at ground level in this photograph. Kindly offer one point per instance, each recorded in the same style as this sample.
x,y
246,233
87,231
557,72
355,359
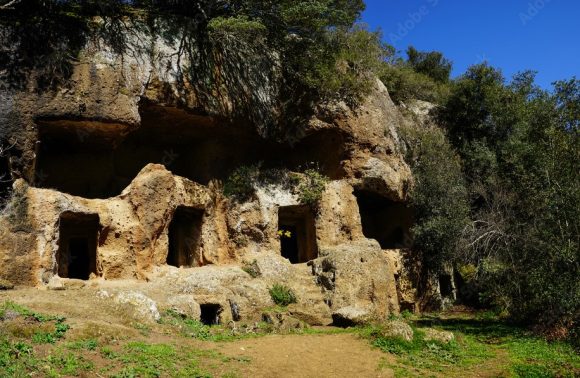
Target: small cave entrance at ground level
x,y
297,234
210,314
77,253
386,221
185,237
446,285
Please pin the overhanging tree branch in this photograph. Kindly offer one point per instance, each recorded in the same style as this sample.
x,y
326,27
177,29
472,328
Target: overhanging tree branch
x,y
10,4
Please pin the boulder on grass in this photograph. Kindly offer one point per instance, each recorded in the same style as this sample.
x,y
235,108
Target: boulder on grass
x,y
397,329
444,337
350,317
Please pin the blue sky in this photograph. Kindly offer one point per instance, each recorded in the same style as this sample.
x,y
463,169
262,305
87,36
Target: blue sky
x,y
514,35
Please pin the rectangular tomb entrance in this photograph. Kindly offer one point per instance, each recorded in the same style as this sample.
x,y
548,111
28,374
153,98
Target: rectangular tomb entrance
x,y
77,251
185,237
386,221
210,314
297,234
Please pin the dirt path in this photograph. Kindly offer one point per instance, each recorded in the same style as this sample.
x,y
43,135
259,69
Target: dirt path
x,y
341,355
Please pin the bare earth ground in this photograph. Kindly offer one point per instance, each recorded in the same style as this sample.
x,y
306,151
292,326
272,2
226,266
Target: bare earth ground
x,y
341,355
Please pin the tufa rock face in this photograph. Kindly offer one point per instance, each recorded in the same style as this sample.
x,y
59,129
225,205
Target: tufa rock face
x,y
119,175
132,228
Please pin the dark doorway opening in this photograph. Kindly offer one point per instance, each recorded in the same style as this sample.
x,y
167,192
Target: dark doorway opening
x,y
386,221
185,237
77,252
297,234
210,314
445,286
5,176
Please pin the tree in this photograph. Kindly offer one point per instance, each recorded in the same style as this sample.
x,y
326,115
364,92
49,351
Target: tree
x,y
430,63
438,198
519,147
423,76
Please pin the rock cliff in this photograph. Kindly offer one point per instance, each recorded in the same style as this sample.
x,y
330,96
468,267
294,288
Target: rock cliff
x,y
118,174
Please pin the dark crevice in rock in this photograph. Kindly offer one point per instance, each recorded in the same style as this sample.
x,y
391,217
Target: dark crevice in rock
x,y
5,177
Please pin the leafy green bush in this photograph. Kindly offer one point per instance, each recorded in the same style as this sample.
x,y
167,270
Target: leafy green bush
x,y
358,57
282,295
322,50
240,183
405,84
240,25
310,186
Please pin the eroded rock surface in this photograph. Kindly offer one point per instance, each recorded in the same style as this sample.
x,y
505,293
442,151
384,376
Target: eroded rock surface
x,y
119,176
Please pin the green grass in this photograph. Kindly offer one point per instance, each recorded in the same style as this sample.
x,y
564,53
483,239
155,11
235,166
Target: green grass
x,y
511,350
22,355
426,355
90,344
529,355
195,329
534,357
37,323
140,359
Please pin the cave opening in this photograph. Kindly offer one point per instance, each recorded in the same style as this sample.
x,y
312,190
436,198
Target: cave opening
x,y
77,252
210,314
446,285
297,232
185,237
98,160
5,177
386,221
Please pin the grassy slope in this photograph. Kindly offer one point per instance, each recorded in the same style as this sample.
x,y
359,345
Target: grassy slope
x,y
32,342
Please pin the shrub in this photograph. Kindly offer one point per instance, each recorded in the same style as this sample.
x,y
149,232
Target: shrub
x,y
239,26
405,84
519,146
252,269
240,183
358,56
310,186
282,295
